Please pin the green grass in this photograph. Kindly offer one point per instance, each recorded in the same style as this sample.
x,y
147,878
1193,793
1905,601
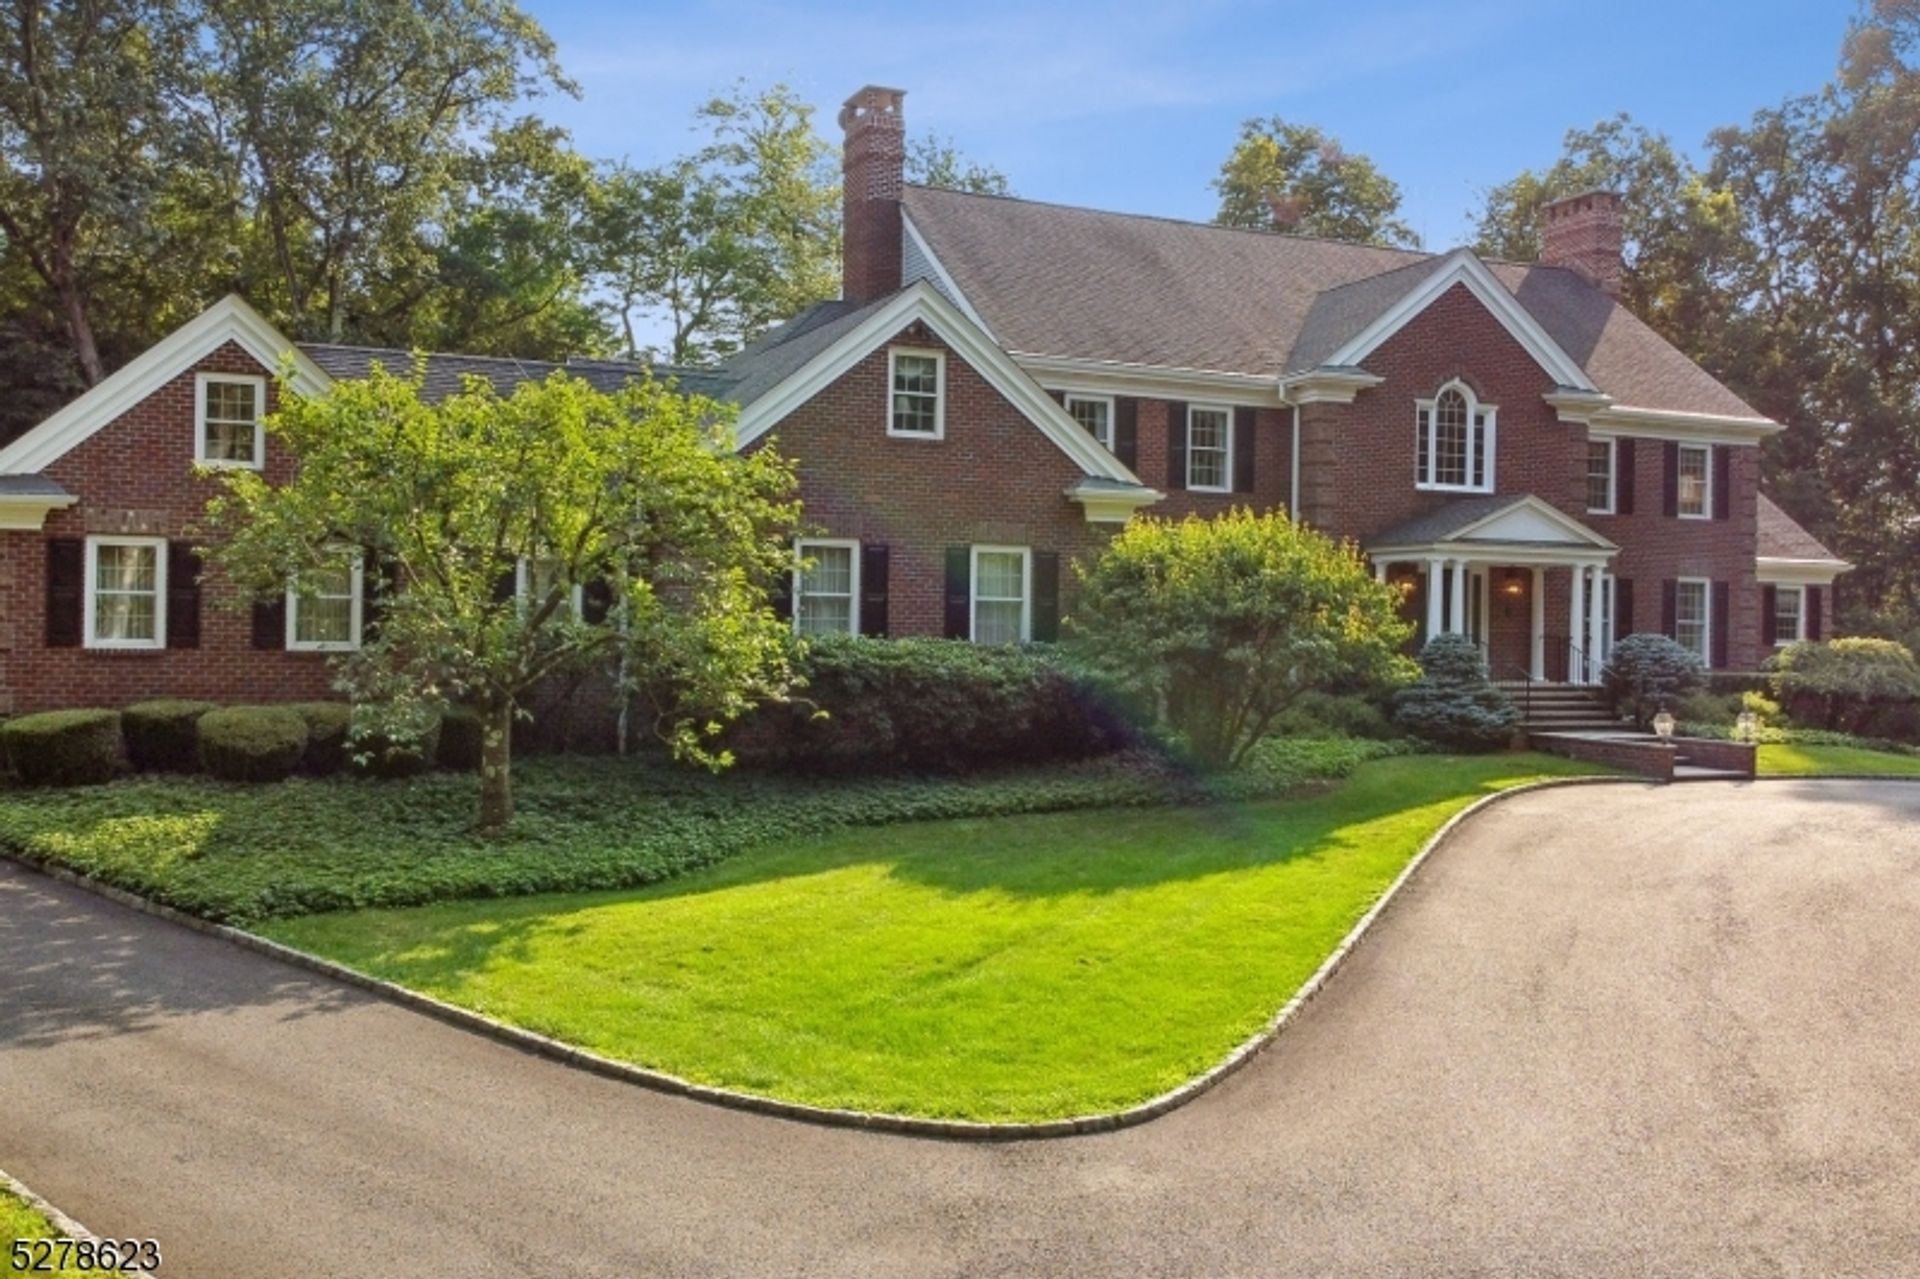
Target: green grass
x,y
19,1221
1813,761
1014,968
242,853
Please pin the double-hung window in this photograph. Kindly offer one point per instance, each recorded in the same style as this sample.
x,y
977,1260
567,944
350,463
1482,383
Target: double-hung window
x,y
1095,414
1696,482
1789,615
1002,595
1692,616
323,606
826,588
126,592
1602,483
227,412
535,579
1454,441
917,385
1209,448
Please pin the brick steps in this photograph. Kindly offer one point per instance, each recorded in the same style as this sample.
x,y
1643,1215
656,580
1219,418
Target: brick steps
x,y
1560,708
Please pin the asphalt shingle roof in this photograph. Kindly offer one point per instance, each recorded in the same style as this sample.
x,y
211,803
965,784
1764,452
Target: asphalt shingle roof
x,y
1780,536
447,372
1446,520
31,486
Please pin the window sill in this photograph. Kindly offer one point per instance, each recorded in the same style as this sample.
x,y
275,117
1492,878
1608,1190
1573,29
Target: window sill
x,y
1695,519
322,649
1453,488
121,650
915,435
213,465
1208,488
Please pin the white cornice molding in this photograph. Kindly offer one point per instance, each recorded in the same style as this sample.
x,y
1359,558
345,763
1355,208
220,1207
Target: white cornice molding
x,y
1778,571
1105,505
28,514
949,285
228,320
922,302
1673,424
1327,385
1150,381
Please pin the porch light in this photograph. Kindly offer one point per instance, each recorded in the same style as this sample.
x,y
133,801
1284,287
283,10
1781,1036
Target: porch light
x,y
1663,724
1512,588
1746,727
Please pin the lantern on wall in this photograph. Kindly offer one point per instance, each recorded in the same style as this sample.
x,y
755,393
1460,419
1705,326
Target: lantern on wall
x,y
1663,724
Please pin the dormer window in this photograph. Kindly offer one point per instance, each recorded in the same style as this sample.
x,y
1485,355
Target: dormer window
x,y
1453,442
917,399
227,412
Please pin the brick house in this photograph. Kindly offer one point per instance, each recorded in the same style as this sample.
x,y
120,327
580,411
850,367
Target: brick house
x,y
1003,383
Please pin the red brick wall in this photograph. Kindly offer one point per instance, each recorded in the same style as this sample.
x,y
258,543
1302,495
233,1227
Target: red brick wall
x,y
136,476
995,479
1273,453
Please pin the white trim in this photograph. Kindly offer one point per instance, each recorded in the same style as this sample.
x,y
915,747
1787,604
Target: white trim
x,y
259,384
1774,571
1026,589
939,359
1613,475
1799,590
1293,476
852,546
1672,424
1706,505
577,598
228,320
1475,411
1462,267
1226,449
356,577
23,513
940,273
1706,626
922,302
90,583
1104,505
1150,381
1326,386
1067,402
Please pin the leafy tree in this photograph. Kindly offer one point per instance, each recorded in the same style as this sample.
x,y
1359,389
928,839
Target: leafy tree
x,y
1647,673
1293,177
1453,703
934,161
1845,681
634,502
1227,622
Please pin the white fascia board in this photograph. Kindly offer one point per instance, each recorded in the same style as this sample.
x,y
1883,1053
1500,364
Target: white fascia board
x,y
1150,381
1462,267
1580,533
949,285
29,514
228,320
1671,424
1327,385
1776,571
1491,553
921,301
1103,505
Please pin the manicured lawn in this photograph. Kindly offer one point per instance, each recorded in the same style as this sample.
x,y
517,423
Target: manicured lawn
x,y
1011,968
1812,761
18,1221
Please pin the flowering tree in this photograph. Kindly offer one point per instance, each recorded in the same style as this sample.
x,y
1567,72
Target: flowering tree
x,y
507,540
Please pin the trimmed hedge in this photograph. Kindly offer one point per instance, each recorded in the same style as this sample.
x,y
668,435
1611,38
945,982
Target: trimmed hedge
x,y
64,748
163,735
252,743
327,726
373,752
935,706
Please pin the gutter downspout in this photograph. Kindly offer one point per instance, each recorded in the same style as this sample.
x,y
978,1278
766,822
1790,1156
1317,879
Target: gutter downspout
x,y
1293,498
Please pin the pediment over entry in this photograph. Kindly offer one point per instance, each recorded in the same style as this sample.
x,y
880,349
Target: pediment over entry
x,y
1512,523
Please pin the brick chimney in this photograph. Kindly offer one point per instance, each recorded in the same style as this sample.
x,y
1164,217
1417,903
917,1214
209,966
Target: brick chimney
x,y
872,171
1586,232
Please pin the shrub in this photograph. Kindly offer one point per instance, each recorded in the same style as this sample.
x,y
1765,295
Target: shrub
x,y
1649,672
164,734
381,745
460,733
1321,715
252,743
327,725
1843,684
1702,707
1454,704
64,748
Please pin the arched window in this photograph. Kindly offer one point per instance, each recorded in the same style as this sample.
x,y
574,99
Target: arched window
x,y
1453,441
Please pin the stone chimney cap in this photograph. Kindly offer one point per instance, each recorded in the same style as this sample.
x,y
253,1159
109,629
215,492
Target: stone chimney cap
x,y
871,100
1581,200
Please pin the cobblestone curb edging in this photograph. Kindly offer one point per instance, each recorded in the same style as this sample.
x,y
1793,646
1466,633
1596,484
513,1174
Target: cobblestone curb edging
x,y
64,1225
955,1129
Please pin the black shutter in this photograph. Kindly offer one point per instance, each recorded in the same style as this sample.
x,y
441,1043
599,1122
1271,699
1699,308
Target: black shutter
x,y
66,591
1623,477
1046,596
505,586
183,596
1669,608
1243,437
596,601
1722,482
1622,608
959,619
1769,620
1816,624
1126,432
1176,445
874,561
1722,595
1670,466
270,624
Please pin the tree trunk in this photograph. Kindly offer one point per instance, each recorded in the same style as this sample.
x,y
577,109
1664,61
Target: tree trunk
x,y
73,311
496,767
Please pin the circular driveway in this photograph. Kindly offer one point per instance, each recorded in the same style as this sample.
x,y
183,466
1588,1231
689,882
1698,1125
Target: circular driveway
x,y
1608,1031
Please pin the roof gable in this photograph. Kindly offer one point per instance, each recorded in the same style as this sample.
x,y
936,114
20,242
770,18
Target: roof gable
x,y
1509,519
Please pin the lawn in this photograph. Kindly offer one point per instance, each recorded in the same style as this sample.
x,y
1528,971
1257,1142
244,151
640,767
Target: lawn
x,y
1024,967
1813,761
19,1221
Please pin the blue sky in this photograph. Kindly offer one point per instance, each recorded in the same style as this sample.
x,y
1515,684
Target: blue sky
x,y
1133,107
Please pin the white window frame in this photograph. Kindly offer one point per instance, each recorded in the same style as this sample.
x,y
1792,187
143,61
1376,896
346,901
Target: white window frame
x,y
1226,462
259,384
852,547
1613,476
1706,489
1072,398
1799,592
939,358
357,576
1026,590
522,583
1476,411
91,586
1706,614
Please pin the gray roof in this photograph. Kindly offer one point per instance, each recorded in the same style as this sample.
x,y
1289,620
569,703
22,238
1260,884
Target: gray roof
x,y
1780,537
447,372
780,352
30,486
1445,520
1050,279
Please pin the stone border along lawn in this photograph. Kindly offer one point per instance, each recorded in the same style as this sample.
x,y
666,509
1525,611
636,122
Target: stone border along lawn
x,y
21,1218
1010,969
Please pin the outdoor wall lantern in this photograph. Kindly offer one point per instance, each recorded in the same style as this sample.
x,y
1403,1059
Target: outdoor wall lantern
x,y
1746,728
1663,724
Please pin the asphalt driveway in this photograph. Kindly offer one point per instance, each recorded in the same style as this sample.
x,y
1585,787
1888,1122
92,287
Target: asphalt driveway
x,y
1614,1031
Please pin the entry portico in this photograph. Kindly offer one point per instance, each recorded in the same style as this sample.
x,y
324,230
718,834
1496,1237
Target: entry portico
x,y
1466,567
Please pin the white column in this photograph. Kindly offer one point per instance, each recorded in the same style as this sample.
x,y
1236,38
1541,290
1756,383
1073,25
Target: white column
x,y
1380,571
1577,625
1457,603
1433,598
1596,624
1539,629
